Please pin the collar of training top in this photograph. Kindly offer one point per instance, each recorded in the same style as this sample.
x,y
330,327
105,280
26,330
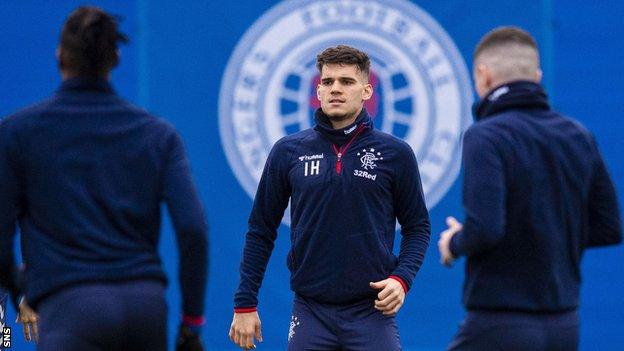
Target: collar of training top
x,y
514,95
86,83
342,135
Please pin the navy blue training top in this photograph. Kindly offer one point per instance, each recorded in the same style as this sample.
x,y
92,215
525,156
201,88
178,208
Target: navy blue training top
x,y
536,194
84,173
343,213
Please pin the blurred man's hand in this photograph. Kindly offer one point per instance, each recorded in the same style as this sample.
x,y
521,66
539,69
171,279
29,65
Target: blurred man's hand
x,y
187,340
29,319
454,227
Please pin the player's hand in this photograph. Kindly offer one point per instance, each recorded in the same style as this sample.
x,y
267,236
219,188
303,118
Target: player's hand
x,y
444,244
390,298
245,326
187,340
29,319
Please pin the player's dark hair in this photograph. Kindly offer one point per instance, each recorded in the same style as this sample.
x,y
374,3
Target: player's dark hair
x,y
346,55
504,36
89,41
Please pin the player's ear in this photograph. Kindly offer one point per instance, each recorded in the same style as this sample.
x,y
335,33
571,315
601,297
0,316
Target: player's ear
x,y
59,56
538,75
318,91
368,91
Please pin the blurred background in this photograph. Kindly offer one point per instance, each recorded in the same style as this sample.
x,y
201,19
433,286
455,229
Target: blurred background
x,y
183,65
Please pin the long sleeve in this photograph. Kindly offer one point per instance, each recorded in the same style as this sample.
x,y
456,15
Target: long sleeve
x,y
268,209
10,195
605,225
190,226
411,212
484,196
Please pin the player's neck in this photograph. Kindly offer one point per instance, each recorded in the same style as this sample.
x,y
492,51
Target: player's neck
x,y
67,74
344,122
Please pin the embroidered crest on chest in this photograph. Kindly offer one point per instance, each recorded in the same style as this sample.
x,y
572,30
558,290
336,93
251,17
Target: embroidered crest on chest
x,y
369,159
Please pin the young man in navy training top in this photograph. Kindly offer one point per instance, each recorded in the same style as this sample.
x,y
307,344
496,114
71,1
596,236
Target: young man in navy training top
x,y
536,194
84,174
348,184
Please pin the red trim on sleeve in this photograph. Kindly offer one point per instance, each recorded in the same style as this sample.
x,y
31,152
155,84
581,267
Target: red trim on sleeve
x,y
245,309
194,321
400,281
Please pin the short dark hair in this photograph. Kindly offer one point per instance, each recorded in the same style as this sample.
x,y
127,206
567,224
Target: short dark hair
x,y
89,41
504,36
346,55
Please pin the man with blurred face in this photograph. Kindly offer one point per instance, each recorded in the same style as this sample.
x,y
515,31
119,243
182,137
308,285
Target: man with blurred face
x,y
84,174
536,194
347,184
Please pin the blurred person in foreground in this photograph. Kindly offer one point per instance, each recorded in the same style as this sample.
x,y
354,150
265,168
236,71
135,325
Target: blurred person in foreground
x,y
348,184
3,303
83,174
536,194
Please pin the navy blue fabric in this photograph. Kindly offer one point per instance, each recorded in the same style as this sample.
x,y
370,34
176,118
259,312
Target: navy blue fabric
x,y
342,223
128,316
511,331
354,327
84,174
536,194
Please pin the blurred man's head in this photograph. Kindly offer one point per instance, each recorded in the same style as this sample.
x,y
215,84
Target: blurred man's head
x,y
88,44
503,55
344,83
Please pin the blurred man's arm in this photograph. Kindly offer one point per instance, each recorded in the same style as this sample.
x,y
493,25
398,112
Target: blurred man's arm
x,y
10,195
188,219
484,196
605,225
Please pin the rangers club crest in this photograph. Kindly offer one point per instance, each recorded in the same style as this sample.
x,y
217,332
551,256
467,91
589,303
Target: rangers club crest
x,y
369,157
422,93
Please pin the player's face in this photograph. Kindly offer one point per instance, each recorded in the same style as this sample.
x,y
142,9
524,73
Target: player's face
x,y
342,91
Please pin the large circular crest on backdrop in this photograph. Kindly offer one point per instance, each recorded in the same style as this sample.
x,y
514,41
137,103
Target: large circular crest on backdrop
x,y
422,90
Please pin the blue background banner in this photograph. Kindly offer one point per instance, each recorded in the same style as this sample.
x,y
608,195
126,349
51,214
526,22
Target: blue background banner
x,y
174,66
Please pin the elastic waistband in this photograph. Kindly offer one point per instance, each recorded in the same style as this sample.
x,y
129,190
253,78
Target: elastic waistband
x,y
354,302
